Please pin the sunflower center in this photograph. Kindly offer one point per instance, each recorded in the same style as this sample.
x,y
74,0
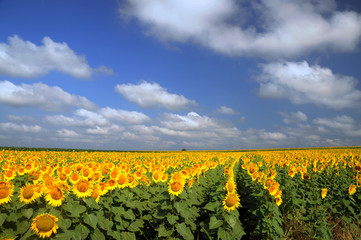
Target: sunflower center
x,y
45,223
56,194
82,187
231,200
28,192
4,193
156,176
176,187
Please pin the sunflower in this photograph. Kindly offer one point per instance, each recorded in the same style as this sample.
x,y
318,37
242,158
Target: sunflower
x,y
83,188
278,201
6,191
164,177
112,184
273,188
156,176
231,201
96,193
323,192
44,225
230,185
352,189
175,188
55,196
29,193
10,175
122,181
74,178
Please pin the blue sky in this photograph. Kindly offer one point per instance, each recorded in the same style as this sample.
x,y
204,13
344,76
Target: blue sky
x,y
167,75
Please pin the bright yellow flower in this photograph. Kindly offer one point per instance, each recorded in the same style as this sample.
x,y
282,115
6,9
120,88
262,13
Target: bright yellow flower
x,y
352,189
231,201
6,191
83,188
29,193
323,192
175,188
44,225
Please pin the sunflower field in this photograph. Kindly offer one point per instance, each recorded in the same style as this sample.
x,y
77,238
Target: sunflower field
x,y
275,194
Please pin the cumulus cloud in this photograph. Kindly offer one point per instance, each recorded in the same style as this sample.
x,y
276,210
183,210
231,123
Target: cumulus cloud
x,y
97,118
228,27
9,126
294,117
67,133
148,95
341,124
42,96
21,58
301,83
124,116
226,110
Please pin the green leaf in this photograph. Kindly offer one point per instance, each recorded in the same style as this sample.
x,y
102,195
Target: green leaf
x,y
223,234
212,206
64,224
172,219
231,220
136,225
12,217
104,223
90,202
83,230
129,214
22,227
128,235
214,223
97,235
63,236
115,234
75,209
184,231
163,232
91,220
27,235
2,218
28,213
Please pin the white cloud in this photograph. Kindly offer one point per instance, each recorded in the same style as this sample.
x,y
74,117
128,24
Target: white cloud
x,y
277,28
124,116
67,133
149,95
342,124
302,83
9,126
192,121
42,96
226,110
294,117
25,59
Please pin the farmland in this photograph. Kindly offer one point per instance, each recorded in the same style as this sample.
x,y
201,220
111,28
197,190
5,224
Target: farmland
x,y
260,194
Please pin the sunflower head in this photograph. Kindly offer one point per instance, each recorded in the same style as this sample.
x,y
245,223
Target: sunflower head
x,y
230,186
122,181
352,190
6,191
44,225
83,188
54,196
323,192
29,193
175,188
231,201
